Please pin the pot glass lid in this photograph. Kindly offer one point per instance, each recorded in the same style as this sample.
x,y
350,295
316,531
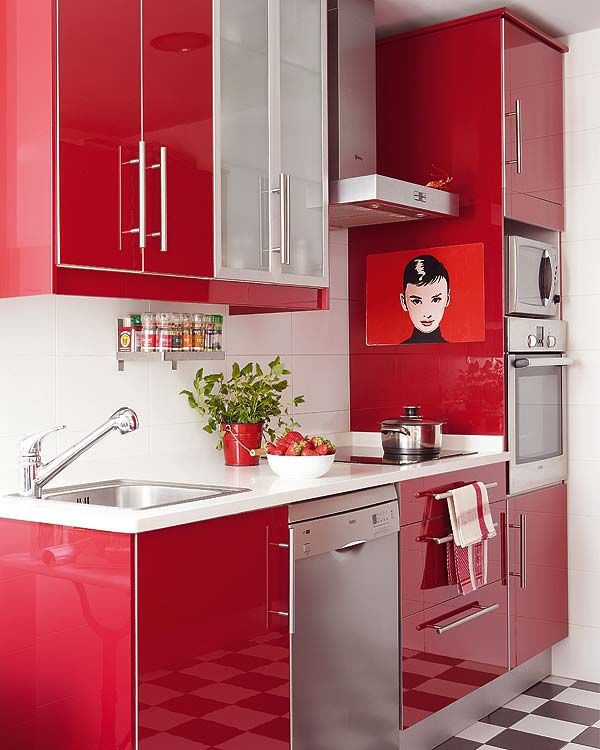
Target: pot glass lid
x,y
412,416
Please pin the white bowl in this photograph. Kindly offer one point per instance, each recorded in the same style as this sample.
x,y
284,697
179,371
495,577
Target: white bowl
x,y
301,467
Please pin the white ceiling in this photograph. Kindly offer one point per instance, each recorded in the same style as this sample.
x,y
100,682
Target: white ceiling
x,y
557,17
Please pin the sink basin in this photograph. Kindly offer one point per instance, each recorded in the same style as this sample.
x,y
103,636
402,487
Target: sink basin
x,y
136,494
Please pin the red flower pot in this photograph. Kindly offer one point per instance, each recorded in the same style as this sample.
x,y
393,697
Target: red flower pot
x,y
239,440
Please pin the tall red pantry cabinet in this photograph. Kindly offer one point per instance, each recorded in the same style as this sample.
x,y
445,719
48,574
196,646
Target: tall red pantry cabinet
x,y
131,164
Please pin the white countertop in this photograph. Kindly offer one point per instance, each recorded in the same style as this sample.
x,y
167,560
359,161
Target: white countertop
x,y
265,489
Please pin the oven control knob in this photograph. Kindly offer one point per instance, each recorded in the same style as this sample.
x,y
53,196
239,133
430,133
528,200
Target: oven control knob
x,y
551,341
532,341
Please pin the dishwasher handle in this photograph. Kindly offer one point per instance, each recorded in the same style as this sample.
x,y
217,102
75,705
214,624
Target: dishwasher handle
x,y
351,545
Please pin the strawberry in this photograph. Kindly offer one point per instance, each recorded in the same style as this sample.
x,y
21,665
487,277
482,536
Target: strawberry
x,y
293,437
307,451
330,447
321,450
271,448
281,444
276,452
295,449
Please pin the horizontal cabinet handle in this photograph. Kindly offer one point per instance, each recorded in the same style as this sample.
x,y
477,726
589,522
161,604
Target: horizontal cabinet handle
x,y
480,612
446,495
441,539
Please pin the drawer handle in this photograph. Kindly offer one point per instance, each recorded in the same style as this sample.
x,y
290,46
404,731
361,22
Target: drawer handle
x,y
441,539
446,495
481,611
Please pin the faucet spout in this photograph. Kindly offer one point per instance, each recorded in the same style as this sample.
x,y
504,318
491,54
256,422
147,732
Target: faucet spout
x,y
35,474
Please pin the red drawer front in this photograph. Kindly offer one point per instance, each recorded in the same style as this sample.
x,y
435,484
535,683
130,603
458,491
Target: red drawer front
x,y
539,612
423,567
440,668
417,496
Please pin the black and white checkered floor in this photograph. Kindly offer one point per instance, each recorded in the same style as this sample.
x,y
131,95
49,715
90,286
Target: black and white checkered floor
x,y
555,714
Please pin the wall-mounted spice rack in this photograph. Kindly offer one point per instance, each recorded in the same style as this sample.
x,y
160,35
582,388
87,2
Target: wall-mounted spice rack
x,y
172,357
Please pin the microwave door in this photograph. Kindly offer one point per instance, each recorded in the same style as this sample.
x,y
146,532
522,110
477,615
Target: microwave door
x,y
530,275
533,285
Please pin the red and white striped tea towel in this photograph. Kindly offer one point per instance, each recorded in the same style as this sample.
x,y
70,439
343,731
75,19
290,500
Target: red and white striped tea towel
x,y
472,526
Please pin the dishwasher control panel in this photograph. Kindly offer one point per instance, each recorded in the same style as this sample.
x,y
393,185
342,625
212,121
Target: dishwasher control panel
x,y
345,531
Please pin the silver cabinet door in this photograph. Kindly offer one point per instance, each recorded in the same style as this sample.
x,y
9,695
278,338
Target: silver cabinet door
x,y
242,115
303,140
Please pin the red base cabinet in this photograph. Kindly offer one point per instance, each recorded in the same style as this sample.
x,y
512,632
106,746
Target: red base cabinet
x,y
213,642
66,635
538,571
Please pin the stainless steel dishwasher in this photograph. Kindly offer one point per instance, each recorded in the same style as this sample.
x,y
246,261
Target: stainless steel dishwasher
x,y
344,622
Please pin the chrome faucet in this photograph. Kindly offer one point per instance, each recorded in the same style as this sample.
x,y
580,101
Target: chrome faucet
x,y
34,474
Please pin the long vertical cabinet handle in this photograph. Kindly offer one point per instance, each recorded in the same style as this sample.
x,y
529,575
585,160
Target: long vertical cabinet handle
x,y
284,197
292,602
517,113
162,165
142,165
141,162
523,549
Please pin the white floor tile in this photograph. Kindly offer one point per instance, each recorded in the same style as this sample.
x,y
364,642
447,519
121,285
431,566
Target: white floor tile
x,y
480,732
553,680
527,703
577,697
542,725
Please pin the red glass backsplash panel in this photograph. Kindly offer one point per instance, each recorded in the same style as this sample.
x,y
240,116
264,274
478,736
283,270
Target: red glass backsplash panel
x,y
446,86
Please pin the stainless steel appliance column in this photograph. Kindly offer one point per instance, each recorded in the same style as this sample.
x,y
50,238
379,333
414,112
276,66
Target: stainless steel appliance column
x,y
345,627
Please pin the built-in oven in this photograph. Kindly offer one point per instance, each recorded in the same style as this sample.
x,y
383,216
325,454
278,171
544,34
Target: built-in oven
x,y
533,286
536,403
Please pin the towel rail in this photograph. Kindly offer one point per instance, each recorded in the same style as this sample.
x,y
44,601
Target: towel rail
x,y
442,539
446,495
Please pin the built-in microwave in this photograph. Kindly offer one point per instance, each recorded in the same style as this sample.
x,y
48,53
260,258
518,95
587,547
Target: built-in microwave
x,y
533,283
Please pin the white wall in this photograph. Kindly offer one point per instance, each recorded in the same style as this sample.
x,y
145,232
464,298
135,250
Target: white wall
x,y
579,656
58,366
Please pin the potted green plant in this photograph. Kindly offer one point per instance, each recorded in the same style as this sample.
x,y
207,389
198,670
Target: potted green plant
x,y
243,407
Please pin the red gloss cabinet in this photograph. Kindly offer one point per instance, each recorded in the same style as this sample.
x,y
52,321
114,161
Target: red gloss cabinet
x,y
66,634
538,571
106,146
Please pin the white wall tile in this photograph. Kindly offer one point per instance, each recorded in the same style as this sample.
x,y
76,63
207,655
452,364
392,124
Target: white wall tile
x,y
28,325
27,385
252,335
581,313
584,550
582,218
582,103
328,424
581,267
583,432
583,608
324,382
584,54
584,484
582,157
166,405
321,332
583,378
578,656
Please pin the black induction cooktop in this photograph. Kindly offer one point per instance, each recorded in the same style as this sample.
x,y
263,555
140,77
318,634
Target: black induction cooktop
x,y
376,456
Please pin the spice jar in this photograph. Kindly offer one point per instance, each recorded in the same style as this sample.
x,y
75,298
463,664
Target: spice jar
x,y
187,332
148,343
176,333
218,333
164,332
199,333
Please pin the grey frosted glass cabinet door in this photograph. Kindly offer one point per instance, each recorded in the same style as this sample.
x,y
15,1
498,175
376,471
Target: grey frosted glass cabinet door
x,y
303,140
242,139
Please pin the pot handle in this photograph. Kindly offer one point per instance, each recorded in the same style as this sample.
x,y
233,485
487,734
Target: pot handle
x,y
403,430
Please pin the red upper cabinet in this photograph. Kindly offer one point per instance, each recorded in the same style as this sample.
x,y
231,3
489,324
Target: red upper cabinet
x,y
533,100
178,135
538,571
98,133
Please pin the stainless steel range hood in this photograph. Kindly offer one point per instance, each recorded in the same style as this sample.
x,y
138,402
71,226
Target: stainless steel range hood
x,y
357,194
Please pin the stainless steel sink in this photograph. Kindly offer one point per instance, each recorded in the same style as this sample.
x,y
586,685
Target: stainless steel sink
x,y
136,494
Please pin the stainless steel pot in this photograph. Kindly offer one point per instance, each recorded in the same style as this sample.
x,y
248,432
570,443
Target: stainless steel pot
x,y
411,435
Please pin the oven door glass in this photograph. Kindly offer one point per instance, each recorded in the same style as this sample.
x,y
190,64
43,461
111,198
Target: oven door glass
x,y
538,413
